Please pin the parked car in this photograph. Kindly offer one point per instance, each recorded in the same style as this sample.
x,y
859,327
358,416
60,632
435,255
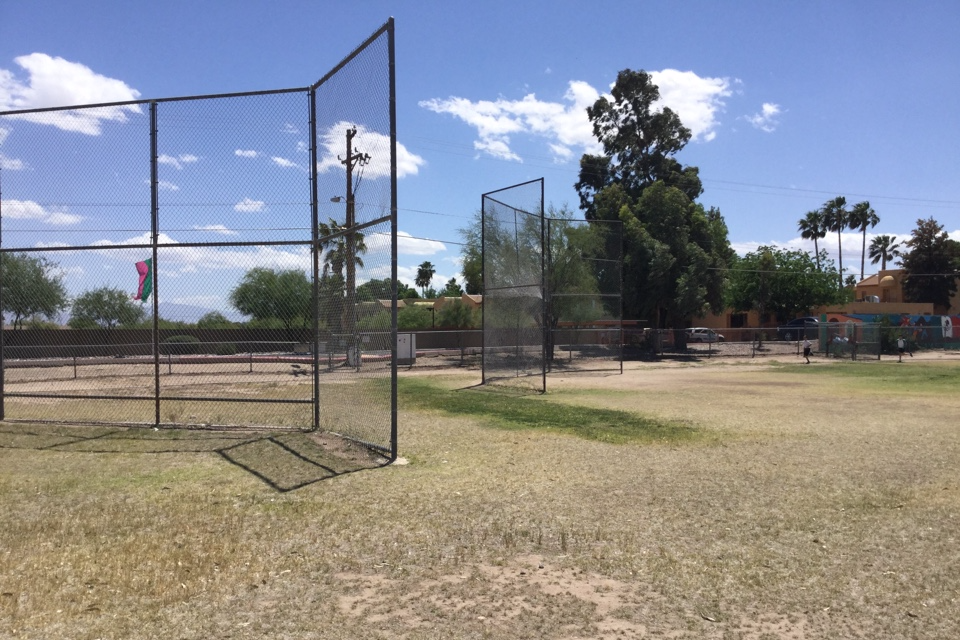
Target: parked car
x,y
703,334
799,328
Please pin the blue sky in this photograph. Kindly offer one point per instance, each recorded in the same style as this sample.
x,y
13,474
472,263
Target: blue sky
x,y
790,103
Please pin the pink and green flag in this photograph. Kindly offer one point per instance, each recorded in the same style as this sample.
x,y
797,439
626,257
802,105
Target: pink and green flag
x,y
145,269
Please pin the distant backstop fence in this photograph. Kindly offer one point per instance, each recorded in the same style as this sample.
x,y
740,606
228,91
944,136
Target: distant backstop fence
x,y
830,339
274,203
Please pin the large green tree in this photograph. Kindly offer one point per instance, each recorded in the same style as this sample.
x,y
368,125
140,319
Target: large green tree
x,y
639,143
268,294
781,282
104,308
32,286
675,256
675,252
930,263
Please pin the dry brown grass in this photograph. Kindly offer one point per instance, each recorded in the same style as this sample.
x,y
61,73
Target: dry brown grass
x,y
822,505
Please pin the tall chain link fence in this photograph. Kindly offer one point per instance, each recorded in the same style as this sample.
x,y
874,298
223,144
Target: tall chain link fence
x,y
245,224
514,304
584,295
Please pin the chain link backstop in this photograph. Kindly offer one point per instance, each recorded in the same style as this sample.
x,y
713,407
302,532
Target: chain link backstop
x,y
254,219
514,301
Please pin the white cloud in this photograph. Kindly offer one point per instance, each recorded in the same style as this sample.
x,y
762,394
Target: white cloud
x,y
283,162
164,185
217,228
11,164
249,206
178,161
373,143
565,126
245,153
289,128
766,119
55,82
30,210
696,100
408,245
181,259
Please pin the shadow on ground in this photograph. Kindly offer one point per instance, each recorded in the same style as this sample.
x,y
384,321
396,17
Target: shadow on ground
x,y
285,461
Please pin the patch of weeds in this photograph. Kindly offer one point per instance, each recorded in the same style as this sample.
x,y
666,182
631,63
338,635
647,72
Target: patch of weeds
x,y
509,411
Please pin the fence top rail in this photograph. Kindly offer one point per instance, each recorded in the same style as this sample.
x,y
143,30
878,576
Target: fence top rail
x,y
124,103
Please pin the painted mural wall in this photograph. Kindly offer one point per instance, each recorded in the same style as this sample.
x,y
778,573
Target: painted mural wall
x,y
930,331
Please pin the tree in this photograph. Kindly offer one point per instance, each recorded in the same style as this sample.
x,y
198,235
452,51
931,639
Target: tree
x,y
335,248
457,315
812,227
424,276
472,255
863,217
383,290
32,286
267,294
638,144
413,317
781,282
930,264
884,249
214,320
452,289
104,308
837,218
674,251
675,257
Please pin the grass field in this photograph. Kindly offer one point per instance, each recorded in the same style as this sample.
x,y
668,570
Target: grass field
x,y
720,499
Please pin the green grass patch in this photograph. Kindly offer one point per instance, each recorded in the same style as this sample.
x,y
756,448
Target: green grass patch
x,y
890,377
508,411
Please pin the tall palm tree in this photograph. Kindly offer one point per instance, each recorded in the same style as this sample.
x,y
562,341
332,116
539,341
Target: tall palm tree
x,y
335,249
862,217
837,218
884,249
424,276
811,227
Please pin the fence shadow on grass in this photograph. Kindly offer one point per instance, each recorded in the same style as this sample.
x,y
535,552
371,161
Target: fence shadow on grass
x,y
285,461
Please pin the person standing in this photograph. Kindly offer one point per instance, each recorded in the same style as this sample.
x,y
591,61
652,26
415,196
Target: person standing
x,y
901,347
806,349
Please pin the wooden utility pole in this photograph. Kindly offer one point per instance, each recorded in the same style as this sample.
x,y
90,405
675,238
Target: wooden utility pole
x,y
350,324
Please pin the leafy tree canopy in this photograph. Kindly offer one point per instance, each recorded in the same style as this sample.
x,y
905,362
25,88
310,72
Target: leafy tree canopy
x,y
930,263
270,294
214,320
638,143
457,315
105,308
32,286
452,289
674,251
675,256
782,282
